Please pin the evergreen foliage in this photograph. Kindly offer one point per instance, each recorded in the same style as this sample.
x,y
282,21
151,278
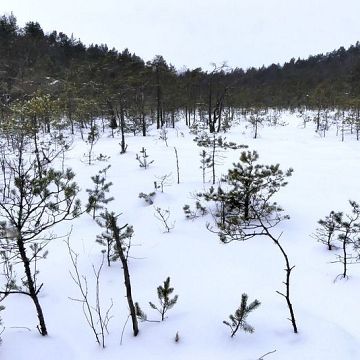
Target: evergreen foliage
x,y
106,238
166,303
97,196
247,193
36,197
143,159
349,235
216,145
33,61
116,235
238,319
148,198
345,230
199,210
140,313
328,227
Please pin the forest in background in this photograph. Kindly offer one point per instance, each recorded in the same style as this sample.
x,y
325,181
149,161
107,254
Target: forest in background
x,y
77,83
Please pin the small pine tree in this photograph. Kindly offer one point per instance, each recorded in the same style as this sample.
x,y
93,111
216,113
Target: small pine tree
x,y
348,236
205,163
328,227
248,189
106,238
97,196
198,211
238,320
92,138
118,234
216,144
166,303
143,159
148,198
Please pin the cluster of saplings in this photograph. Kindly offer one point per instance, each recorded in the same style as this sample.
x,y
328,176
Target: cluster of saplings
x,y
341,233
242,207
35,197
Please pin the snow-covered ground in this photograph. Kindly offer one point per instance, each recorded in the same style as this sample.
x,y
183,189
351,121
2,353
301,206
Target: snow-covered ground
x,y
208,276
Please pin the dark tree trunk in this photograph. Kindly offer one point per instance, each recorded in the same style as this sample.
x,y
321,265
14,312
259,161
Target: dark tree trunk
x,y
122,129
126,280
288,270
210,120
33,293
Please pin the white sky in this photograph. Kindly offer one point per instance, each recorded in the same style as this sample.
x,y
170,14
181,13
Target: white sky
x,y
195,33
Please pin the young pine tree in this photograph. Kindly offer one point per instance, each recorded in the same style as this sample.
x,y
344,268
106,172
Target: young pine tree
x,y
97,196
348,236
328,228
238,320
166,303
118,234
106,238
249,186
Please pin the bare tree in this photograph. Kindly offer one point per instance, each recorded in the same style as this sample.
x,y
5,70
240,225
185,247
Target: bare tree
x,y
97,319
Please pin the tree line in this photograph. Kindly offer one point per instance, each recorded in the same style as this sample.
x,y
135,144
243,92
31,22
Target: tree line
x,y
84,82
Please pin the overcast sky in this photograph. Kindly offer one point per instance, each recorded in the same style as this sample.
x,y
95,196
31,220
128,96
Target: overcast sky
x,y
195,33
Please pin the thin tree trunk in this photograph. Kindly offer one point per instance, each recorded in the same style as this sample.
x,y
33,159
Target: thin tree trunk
x,y
126,280
31,286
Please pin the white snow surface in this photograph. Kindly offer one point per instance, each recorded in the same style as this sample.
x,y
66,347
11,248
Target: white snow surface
x,y
208,276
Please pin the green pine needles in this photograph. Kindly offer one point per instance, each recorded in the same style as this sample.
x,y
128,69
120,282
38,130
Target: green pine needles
x,y
97,196
166,303
238,320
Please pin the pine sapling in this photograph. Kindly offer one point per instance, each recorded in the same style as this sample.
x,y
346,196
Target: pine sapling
x,y
166,303
199,210
106,238
143,159
238,320
97,196
205,163
92,138
328,228
148,198
348,236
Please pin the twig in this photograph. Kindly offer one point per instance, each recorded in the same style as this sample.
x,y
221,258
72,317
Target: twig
x,y
122,332
268,353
